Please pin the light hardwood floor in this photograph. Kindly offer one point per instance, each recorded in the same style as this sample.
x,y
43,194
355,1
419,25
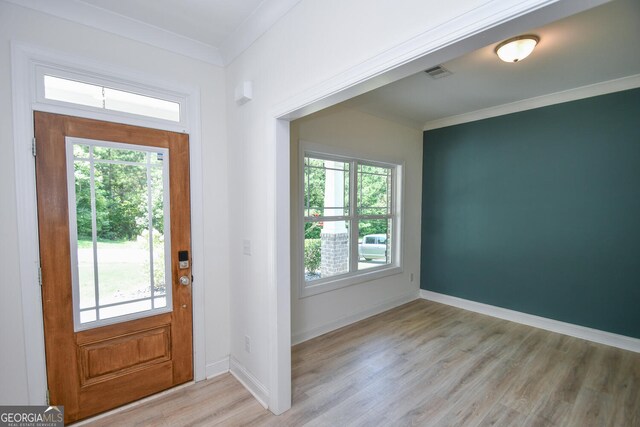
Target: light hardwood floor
x,y
425,364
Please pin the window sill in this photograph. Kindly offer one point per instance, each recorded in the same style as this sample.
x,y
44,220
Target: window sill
x,y
331,284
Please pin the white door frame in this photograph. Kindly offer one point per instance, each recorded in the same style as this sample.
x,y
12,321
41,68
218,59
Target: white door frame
x,y
492,21
24,60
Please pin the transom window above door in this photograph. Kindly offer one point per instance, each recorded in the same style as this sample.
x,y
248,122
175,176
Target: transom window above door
x,y
61,87
351,221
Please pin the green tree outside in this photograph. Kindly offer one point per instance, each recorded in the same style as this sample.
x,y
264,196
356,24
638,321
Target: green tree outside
x,y
121,199
373,191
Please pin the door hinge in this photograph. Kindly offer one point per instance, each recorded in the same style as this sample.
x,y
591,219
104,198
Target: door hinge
x,y
33,147
40,275
47,397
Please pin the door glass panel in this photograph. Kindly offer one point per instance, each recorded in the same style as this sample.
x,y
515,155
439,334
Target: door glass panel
x,y
119,218
125,155
83,220
123,259
88,316
126,308
157,241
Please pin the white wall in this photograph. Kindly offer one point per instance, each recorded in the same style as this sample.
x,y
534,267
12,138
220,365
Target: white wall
x,y
369,137
315,42
17,23
299,58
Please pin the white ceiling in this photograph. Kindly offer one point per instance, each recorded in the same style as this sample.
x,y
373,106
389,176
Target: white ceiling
x,y
207,21
215,31
598,45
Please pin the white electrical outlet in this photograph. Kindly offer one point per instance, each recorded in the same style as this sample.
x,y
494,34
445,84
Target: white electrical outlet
x,y
247,344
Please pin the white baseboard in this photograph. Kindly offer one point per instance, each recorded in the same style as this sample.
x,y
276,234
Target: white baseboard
x,y
344,321
595,335
249,382
217,368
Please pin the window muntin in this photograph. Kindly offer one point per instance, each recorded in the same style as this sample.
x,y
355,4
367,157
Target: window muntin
x,y
374,190
349,217
75,91
336,176
119,231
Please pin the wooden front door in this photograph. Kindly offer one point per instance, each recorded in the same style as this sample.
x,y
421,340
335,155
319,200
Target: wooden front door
x,y
115,249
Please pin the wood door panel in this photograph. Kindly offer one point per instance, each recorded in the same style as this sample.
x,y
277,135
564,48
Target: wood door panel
x,y
54,264
180,195
105,360
87,128
103,396
105,332
98,369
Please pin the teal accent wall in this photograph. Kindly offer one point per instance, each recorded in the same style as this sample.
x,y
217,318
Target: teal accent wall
x,y
539,212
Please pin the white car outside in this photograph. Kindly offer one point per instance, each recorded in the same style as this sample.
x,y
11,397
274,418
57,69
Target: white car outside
x,y
373,246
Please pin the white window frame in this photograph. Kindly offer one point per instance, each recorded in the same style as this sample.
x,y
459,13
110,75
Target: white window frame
x,y
42,70
73,235
306,289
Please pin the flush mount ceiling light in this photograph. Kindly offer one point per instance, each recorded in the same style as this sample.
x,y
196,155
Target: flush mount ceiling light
x,y
516,48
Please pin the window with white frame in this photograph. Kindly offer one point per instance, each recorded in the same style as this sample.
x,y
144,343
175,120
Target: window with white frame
x,y
119,231
62,87
351,219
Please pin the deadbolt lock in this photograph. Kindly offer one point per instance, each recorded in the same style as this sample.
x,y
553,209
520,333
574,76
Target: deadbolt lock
x,y
183,260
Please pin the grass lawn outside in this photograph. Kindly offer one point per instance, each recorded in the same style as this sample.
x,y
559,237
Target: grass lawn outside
x,y
123,271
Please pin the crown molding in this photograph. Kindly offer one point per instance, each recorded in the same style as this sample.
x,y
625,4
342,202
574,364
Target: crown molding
x,y
254,26
436,45
111,22
259,22
602,88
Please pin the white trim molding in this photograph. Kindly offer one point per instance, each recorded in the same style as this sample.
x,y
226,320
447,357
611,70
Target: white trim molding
x,y
261,19
124,26
24,59
301,337
217,368
582,92
577,331
249,381
279,272
255,25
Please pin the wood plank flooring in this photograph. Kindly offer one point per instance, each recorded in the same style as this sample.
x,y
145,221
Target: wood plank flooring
x,y
425,364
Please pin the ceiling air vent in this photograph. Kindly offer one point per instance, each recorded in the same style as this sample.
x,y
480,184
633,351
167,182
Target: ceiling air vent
x,y
438,72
